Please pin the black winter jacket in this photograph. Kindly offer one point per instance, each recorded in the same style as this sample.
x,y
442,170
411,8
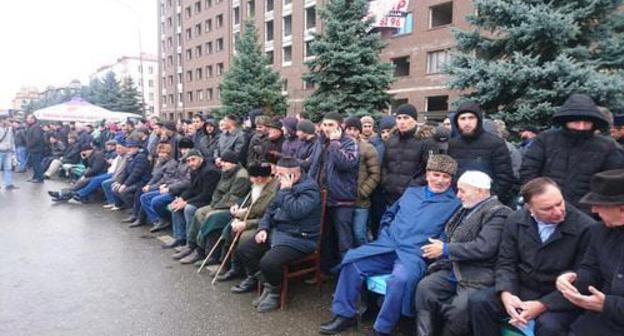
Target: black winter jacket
x,y
138,169
35,139
96,164
203,183
71,155
404,163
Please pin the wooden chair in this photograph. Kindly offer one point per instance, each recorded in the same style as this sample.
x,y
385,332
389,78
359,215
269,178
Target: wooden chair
x,y
308,264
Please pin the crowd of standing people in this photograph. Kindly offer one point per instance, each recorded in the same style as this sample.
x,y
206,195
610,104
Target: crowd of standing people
x,y
466,232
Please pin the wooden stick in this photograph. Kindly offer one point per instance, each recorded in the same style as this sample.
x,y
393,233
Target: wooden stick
x,y
227,255
214,248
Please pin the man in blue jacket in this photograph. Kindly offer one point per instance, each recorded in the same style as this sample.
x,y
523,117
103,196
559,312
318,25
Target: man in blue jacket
x,y
419,215
288,231
136,174
337,172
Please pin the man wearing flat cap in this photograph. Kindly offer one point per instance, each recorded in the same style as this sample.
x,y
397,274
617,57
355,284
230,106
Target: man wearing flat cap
x,y
597,286
288,231
539,242
464,258
418,215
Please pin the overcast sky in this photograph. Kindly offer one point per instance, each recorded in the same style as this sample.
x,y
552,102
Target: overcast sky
x,y
51,42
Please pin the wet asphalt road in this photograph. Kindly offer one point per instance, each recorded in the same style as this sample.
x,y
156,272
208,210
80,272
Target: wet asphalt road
x,y
71,269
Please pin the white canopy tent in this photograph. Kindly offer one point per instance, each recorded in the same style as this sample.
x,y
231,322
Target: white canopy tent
x,y
79,110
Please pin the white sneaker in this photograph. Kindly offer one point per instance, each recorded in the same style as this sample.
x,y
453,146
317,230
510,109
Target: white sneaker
x,y
108,206
114,208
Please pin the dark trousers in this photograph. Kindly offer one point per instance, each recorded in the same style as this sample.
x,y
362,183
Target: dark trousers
x,y
446,301
127,196
591,323
337,236
35,161
266,259
488,313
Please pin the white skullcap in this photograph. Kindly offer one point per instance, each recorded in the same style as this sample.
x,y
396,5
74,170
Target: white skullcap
x,y
476,179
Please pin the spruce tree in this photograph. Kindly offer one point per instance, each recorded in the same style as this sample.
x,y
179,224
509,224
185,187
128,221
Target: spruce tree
x,y
524,58
347,71
250,82
109,93
130,97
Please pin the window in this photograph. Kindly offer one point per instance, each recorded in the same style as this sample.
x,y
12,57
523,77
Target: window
x,y
219,19
436,61
189,54
285,85
269,30
208,25
189,34
200,95
308,49
437,104
287,25
198,7
219,69
188,12
169,22
189,96
287,2
199,73
179,78
150,83
310,17
236,15
179,59
287,55
198,29
208,48
219,45
171,99
218,93
189,76
209,94
170,78
407,28
209,71
270,57
207,3
150,96
251,8
198,51
268,5
178,40
180,98
401,66
170,60
441,15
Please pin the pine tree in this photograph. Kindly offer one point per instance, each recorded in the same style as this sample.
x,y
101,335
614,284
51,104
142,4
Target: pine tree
x,y
90,93
347,72
130,97
250,82
524,58
109,93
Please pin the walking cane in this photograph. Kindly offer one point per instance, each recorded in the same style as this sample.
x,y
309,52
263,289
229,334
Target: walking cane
x,y
214,248
232,245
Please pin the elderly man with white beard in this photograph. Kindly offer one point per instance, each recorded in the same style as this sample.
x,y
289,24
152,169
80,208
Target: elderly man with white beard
x,y
465,255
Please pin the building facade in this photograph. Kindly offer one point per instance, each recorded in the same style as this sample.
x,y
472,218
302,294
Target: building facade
x,y
24,96
144,72
197,45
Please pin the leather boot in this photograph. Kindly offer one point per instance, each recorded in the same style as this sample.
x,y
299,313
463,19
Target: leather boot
x,y
249,284
424,323
337,324
186,250
271,299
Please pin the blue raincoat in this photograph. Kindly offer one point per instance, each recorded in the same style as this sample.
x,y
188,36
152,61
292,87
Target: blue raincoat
x,y
405,227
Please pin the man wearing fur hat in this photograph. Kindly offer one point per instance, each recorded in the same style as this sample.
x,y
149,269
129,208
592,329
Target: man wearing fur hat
x,y
572,154
465,258
419,215
597,286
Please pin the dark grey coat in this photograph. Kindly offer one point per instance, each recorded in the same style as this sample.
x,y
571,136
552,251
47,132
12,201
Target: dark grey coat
x,y
527,268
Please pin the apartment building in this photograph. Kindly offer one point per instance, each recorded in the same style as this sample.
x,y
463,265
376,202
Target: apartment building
x,y
197,45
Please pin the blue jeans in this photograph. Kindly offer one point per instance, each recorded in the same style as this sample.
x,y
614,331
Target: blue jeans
x,y
111,198
352,277
21,154
7,167
181,220
360,226
94,183
36,164
154,204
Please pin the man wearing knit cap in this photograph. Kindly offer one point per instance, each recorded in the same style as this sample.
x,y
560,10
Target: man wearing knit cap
x,y
420,214
573,153
369,175
310,149
464,258
405,156
337,172
291,142
386,126
475,149
258,143
369,135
